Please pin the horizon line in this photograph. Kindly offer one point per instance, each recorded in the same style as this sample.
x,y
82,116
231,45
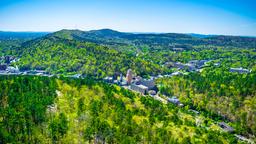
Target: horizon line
x,y
189,33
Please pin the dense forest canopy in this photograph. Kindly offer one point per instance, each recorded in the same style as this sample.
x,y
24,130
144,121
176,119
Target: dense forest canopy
x,y
51,110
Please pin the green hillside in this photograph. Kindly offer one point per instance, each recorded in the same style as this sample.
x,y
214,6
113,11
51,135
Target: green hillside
x,y
103,52
50,110
64,55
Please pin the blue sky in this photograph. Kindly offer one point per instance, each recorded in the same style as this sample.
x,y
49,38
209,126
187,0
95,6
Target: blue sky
x,y
229,17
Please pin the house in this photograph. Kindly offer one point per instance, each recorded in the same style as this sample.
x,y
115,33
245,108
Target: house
x,y
174,100
240,70
226,127
139,88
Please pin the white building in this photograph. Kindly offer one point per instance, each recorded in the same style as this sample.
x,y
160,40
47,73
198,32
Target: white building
x,y
139,88
12,69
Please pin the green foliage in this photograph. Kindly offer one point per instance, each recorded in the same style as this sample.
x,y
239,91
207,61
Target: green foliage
x,y
223,95
88,111
58,127
94,112
23,103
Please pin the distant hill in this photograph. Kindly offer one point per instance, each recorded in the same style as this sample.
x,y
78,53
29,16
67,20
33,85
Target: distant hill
x,y
164,40
67,51
21,35
152,41
200,35
103,52
10,40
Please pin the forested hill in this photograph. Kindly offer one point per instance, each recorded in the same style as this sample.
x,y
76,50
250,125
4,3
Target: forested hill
x,y
104,52
129,42
62,54
111,37
21,35
11,40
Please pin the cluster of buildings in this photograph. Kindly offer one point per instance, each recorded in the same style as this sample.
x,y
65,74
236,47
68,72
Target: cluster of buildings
x,y
7,69
135,83
193,65
142,85
5,66
197,65
7,59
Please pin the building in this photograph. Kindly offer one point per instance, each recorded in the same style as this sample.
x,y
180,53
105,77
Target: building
x,y
178,49
129,76
76,76
176,73
226,127
8,59
174,100
150,83
198,63
240,70
139,88
179,65
190,67
137,80
242,138
12,69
